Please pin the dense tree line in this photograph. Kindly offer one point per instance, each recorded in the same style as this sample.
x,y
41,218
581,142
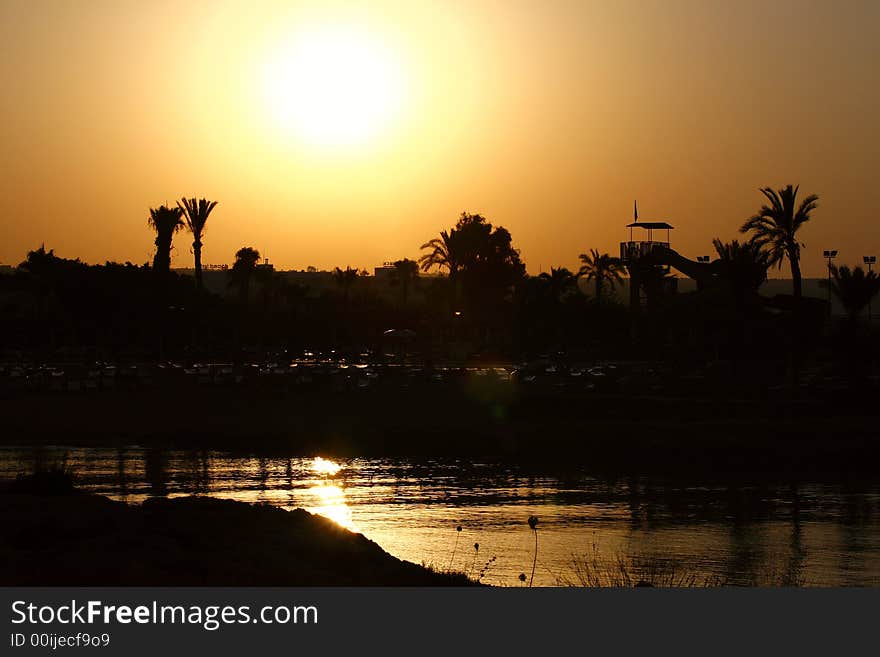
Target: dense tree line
x,y
482,305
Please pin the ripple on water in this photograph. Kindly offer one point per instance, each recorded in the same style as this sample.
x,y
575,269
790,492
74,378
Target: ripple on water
x,y
822,533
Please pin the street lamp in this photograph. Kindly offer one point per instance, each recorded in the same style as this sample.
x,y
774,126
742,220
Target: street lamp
x,y
870,261
831,254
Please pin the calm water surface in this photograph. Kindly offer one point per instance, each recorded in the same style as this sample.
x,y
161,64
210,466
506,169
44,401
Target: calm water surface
x,y
810,533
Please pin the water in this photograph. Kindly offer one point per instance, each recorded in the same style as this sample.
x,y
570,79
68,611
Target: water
x,y
817,533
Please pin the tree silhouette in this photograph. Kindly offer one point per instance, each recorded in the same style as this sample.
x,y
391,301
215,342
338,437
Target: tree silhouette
x,y
656,281
547,306
443,254
165,221
774,228
42,270
345,279
243,269
405,275
854,288
479,257
601,268
743,265
737,274
559,284
196,214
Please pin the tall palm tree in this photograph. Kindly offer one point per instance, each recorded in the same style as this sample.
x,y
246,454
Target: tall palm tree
x,y
165,221
243,270
443,254
601,268
196,213
854,288
406,275
775,227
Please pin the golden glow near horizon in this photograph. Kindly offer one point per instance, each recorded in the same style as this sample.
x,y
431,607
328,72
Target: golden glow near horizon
x,y
332,85
338,133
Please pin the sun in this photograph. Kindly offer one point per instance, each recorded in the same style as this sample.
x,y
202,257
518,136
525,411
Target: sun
x,y
332,85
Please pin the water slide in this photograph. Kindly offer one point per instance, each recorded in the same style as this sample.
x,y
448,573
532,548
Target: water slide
x,y
707,274
702,272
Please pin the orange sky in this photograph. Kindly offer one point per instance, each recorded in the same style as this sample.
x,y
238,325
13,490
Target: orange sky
x,y
547,117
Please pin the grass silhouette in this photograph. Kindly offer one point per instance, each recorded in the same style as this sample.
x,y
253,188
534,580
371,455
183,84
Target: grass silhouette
x,y
533,525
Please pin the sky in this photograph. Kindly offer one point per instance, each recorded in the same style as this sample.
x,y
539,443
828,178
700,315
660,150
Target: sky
x,y
336,133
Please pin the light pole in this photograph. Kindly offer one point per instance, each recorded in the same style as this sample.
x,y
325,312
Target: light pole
x,y
870,261
831,254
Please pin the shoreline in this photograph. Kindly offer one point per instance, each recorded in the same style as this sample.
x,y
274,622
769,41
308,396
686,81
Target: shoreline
x,y
83,539
610,433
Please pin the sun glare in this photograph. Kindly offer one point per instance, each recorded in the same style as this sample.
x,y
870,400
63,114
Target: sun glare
x,y
330,503
325,466
332,85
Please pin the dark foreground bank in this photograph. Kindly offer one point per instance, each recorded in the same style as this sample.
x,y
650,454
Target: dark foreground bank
x,y
73,538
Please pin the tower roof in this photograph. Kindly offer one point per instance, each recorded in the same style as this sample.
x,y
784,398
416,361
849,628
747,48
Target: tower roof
x,y
650,225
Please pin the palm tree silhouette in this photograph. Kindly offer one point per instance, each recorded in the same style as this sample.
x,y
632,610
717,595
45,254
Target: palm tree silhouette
x,y
165,221
744,265
345,278
443,254
559,283
405,275
482,266
243,270
42,273
196,214
774,228
854,288
601,268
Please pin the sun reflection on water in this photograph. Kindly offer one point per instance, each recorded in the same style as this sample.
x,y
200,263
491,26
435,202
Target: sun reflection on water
x,y
325,466
329,501
412,509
